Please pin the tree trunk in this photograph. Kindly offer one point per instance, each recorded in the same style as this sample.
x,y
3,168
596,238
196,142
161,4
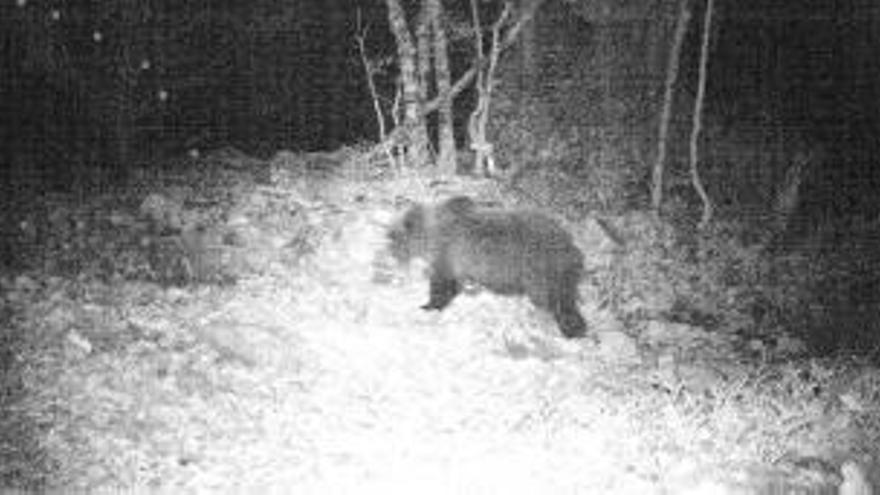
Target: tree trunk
x,y
417,149
424,47
445,133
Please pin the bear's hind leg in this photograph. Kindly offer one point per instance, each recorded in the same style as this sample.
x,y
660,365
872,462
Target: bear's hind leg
x,y
443,290
562,304
570,321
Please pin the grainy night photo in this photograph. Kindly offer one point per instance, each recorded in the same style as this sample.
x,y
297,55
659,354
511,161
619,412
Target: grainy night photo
x,y
440,246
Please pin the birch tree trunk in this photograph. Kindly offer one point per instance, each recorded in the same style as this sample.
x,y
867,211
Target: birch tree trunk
x,y
445,132
424,50
417,150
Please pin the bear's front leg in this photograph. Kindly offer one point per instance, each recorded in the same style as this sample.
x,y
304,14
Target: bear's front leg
x,y
442,291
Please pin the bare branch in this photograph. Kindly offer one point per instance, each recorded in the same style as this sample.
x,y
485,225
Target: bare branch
x,y
681,25
697,120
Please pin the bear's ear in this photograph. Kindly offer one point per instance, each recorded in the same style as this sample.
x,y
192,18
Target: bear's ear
x,y
403,202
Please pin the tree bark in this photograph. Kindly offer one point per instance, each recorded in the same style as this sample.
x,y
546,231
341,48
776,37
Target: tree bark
x,y
412,132
417,149
425,50
445,133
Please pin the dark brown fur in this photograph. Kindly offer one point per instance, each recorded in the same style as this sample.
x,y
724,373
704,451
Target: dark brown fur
x,y
508,252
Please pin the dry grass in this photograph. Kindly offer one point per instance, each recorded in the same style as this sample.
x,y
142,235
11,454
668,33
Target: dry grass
x,y
310,376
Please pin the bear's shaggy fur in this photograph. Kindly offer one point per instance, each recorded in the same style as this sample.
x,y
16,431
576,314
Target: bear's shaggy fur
x,y
507,252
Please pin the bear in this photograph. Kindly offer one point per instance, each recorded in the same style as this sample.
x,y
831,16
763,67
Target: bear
x,y
509,252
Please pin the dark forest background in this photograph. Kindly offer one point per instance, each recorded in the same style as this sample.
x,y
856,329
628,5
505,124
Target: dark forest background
x,y
109,83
